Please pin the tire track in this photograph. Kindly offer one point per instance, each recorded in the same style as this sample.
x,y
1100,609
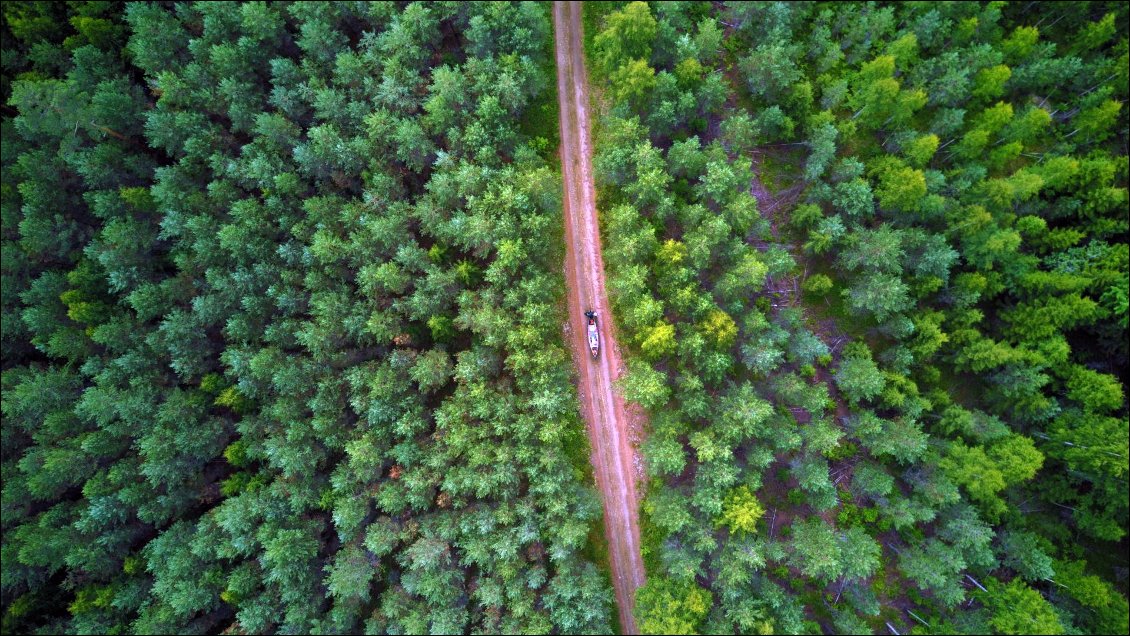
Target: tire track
x,y
613,457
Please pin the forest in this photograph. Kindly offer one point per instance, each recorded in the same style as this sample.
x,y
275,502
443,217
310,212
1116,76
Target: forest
x,y
873,262
283,305
280,338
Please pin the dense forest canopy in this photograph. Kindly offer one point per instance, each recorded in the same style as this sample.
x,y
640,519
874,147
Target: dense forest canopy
x,y
282,307
281,339
873,261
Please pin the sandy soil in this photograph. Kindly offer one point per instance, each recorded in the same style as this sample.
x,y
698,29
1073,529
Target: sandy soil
x,y
610,432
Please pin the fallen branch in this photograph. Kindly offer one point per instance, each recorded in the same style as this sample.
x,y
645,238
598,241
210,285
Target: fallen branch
x,y
974,581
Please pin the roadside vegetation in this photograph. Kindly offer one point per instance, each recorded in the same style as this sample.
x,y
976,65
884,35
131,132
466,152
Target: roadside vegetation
x,y
871,262
281,323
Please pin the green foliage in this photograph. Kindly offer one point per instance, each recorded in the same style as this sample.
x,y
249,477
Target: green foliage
x,y
858,376
644,385
281,328
1088,589
1025,553
279,316
825,554
627,35
666,606
921,150
1097,392
1017,609
658,341
632,82
818,285
955,184
984,474
236,454
901,188
719,329
741,511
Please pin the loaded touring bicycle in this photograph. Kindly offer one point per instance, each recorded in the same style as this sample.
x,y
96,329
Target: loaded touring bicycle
x,y
593,335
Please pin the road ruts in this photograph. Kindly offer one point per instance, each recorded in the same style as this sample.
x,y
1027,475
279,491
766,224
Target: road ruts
x,y
613,456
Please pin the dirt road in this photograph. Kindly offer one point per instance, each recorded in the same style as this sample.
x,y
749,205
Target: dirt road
x,y
613,456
